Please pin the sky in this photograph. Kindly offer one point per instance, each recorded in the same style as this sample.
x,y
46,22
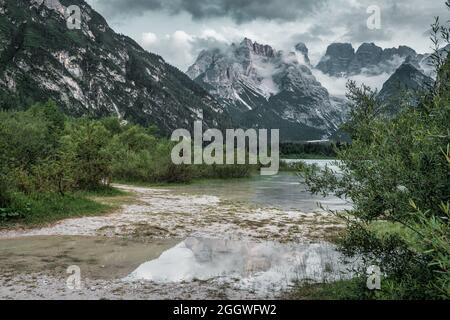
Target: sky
x,y
179,29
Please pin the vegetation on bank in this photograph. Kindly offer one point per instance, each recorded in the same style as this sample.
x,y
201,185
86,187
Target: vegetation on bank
x,y
340,290
309,150
50,165
397,173
35,210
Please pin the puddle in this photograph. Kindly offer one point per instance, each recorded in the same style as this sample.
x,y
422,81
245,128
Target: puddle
x,y
97,257
262,267
196,268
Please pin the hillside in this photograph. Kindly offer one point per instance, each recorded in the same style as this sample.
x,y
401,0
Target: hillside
x,y
93,71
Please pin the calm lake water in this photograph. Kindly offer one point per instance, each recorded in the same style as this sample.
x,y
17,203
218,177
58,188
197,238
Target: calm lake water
x,y
286,191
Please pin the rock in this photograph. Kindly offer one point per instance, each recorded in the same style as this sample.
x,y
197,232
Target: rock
x,y
337,59
303,49
401,51
368,56
407,79
340,59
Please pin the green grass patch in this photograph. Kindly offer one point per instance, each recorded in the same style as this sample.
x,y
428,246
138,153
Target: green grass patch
x,y
386,228
43,209
340,290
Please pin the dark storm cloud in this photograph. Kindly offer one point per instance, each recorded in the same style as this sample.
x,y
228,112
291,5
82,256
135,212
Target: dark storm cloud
x,y
239,10
312,34
397,16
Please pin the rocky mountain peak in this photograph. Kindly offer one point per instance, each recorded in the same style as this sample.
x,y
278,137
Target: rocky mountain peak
x,y
337,59
369,53
303,49
340,50
262,86
407,78
341,60
257,49
367,56
402,51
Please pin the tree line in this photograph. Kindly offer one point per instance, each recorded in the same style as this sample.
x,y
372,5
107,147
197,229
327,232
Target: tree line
x,y
44,152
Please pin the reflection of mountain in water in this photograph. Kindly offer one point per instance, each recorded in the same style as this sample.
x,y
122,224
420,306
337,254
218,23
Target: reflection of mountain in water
x,y
251,265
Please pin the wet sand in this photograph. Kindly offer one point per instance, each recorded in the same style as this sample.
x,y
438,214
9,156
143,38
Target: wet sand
x,y
97,257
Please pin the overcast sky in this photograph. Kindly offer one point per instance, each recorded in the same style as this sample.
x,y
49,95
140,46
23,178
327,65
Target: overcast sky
x,y
179,29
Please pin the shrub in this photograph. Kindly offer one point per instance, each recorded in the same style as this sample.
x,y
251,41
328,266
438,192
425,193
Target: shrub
x,y
85,148
397,173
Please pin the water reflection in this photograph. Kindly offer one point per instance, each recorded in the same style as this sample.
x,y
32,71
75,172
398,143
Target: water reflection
x,y
245,264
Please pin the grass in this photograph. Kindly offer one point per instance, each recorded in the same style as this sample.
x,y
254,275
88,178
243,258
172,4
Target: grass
x,y
386,228
340,290
43,209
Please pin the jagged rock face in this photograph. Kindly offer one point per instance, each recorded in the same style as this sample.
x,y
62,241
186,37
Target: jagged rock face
x,y
263,87
367,56
337,59
240,77
406,79
426,62
303,49
248,47
341,60
94,71
402,51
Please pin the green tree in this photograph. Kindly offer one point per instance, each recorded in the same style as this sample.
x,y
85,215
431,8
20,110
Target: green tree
x,y
84,151
397,174
54,117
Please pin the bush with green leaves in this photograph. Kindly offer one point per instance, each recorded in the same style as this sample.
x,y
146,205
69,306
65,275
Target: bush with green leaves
x,y
26,140
397,174
85,147
139,156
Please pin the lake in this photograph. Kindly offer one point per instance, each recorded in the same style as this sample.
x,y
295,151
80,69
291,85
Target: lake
x,y
241,238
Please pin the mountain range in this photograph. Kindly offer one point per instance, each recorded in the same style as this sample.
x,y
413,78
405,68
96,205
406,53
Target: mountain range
x,y
95,71
261,86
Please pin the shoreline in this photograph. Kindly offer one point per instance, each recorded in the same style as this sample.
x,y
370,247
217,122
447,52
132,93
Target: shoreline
x,y
154,216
